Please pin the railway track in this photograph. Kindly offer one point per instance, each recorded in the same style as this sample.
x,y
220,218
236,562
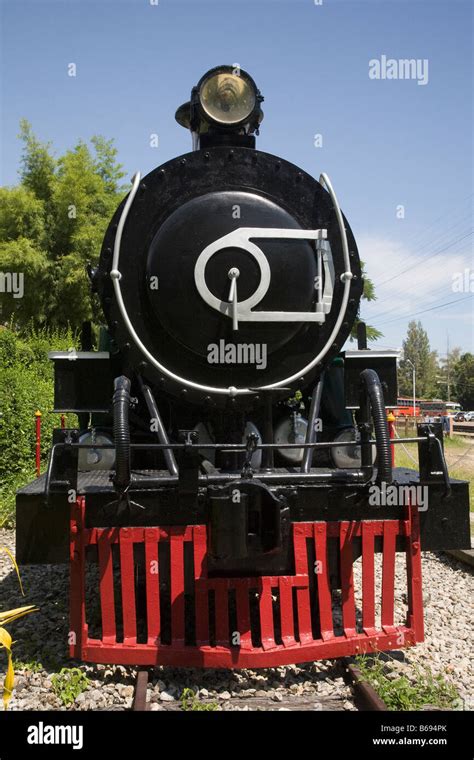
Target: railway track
x,y
364,697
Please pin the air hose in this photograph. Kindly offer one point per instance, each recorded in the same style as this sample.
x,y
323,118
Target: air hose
x,y
373,386
121,408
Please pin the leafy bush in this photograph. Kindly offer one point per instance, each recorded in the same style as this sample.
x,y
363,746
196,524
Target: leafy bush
x,y
26,384
52,225
68,684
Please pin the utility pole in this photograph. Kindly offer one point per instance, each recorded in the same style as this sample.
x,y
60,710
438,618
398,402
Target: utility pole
x,y
447,382
448,365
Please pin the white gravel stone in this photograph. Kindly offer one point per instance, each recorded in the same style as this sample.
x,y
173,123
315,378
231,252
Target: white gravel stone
x,y
166,697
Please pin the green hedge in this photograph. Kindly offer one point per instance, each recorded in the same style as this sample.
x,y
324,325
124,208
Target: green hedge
x,y
26,384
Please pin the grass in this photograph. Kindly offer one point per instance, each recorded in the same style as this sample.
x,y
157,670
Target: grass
x,y
402,693
460,467
68,684
32,666
190,702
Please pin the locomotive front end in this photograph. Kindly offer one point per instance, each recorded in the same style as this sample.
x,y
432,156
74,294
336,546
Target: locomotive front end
x,y
229,495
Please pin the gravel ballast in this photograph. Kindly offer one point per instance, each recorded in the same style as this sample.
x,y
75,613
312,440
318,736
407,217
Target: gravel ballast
x,y
40,641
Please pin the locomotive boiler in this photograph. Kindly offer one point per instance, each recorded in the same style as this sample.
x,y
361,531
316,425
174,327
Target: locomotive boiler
x,y
215,500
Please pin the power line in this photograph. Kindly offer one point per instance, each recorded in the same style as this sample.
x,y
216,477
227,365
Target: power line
x,y
432,308
432,295
438,292
424,260
433,224
439,236
436,240
377,314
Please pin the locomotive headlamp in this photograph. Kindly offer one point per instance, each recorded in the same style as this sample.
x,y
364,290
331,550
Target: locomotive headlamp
x,y
227,98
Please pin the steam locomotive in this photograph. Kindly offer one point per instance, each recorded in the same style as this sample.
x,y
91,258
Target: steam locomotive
x,y
215,501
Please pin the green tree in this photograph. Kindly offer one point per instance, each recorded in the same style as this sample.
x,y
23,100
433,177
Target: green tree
x,y
106,165
52,225
27,283
368,294
464,381
81,200
445,377
22,215
84,200
416,348
37,163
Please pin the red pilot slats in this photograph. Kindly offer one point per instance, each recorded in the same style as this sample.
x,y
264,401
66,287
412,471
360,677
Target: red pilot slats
x,y
347,579
266,615
127,576
243,616
201,589
177,584
286,611
106,585
368,578
323,581
279,619
388,573
200,551
302,591
152,585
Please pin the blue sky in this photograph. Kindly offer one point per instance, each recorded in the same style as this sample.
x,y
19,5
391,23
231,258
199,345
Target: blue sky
x,y
386,143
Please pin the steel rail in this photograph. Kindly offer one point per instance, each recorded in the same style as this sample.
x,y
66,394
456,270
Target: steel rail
x,y
365,697
140,703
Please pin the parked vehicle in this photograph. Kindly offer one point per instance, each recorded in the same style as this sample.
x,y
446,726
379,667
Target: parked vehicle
x,y
464,417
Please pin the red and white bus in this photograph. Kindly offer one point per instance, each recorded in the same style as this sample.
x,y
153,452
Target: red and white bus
x,y
404,407
425,407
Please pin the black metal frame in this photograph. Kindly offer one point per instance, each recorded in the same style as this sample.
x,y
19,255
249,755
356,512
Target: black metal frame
x,y
43,507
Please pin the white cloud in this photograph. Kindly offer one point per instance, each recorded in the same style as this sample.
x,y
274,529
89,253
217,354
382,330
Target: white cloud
x,y
428,283
402,294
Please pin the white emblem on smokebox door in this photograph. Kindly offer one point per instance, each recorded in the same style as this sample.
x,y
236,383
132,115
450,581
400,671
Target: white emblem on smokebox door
x,y
241,311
